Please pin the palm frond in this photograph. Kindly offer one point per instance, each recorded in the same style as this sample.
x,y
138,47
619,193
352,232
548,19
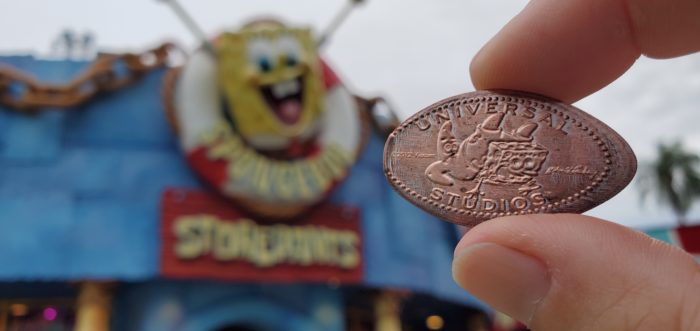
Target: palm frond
x,y
673,177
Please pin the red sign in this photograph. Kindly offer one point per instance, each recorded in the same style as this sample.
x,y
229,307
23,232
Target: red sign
x,y
689,238
204,236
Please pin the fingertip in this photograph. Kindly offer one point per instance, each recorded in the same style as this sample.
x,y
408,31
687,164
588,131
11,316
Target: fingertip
x,y
508,280
506,226
592,267
561,49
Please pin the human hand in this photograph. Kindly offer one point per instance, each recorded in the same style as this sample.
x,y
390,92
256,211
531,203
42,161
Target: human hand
x,y
574,272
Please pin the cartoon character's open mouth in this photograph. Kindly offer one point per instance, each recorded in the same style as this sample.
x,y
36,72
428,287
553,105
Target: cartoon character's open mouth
x,y
285,99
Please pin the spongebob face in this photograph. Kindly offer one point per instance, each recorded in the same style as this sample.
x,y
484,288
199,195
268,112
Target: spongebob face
x,y
271,81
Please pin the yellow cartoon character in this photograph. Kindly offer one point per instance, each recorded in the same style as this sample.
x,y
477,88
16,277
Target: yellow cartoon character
x,y
265,121
271,82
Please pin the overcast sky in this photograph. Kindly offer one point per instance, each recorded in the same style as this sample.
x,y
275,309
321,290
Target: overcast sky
x,y
414,52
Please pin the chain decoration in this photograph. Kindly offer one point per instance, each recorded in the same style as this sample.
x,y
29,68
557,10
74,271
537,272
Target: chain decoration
x,y
109,72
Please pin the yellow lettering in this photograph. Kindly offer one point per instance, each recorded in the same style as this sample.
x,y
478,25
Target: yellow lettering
x,y
284,180
282,185
337,161
224,150
189,241
262,258
226,242
261,178
207,224
297,177
320,182
349,252
240,166
265,245
247,229
208,138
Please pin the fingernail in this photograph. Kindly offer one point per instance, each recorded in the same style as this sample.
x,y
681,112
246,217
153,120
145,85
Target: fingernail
x,y
506,279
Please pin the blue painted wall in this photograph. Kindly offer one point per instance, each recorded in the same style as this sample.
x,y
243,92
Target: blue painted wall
x,y
207,306
79,194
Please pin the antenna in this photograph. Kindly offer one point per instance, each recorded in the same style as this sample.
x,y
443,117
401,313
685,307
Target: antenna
x,y
191,25
338,20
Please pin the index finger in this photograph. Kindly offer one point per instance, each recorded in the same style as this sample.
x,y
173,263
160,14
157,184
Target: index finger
x,y
567,49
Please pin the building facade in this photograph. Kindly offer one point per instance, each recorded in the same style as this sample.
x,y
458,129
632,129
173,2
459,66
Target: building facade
x,y
107,225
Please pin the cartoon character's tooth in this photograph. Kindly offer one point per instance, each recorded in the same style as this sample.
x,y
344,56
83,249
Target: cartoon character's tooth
x,y
294,86
286,88
279,90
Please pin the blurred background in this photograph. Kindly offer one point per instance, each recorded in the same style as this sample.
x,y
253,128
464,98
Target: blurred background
x,y
413,52
98,267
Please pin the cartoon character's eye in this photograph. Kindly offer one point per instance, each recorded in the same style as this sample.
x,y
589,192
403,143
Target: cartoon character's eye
x,y
261,53
290,48
530,163
264,64
516,163
291,60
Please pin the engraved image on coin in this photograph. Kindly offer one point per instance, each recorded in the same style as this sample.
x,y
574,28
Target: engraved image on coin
x,y
490,155
481,155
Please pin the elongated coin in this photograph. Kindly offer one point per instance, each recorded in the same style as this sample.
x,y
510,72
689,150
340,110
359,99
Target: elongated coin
x,y
486,154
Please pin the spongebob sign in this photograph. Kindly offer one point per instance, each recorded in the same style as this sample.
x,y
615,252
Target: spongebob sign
x,y
265,121
272,81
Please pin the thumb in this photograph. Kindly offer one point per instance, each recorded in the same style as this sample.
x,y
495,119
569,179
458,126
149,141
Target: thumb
x,y
574,272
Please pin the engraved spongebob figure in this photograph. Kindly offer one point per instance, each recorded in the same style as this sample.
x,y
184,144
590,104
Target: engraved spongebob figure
x,y
489,155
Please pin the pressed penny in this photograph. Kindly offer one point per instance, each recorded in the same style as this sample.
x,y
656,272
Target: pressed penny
x,y
485,154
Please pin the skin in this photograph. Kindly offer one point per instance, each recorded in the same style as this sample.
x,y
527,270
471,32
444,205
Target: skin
x,y
574,272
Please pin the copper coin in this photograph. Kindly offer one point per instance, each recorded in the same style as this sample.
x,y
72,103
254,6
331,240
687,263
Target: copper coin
x,y
486,154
